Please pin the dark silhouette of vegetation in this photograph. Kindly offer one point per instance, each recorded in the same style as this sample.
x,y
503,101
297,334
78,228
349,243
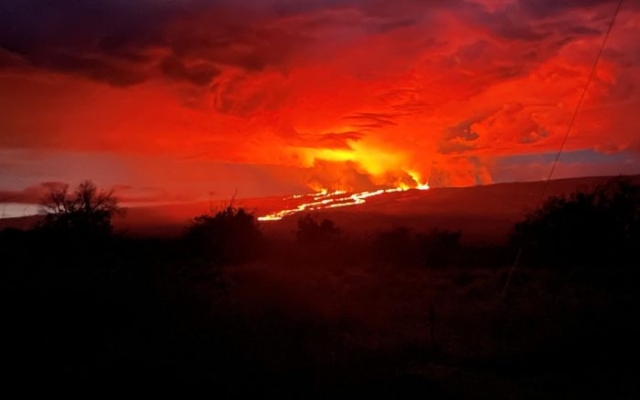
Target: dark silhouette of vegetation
x,y
588,228
340,319
231,235
87,211
437,248
311,231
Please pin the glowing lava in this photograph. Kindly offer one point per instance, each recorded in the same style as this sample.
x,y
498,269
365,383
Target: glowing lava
x,y
326,199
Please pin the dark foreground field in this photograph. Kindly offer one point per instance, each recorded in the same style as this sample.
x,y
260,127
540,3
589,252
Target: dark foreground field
x,y
230,309
313,320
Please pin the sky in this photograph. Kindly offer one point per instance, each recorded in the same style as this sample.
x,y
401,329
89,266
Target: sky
x,y
181,100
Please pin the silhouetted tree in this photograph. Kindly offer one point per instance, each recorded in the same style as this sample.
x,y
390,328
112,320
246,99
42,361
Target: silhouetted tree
x,y
596,227
310,230
86,211
231,235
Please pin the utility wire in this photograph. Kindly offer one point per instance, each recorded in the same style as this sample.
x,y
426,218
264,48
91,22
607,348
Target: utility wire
x,y
566,135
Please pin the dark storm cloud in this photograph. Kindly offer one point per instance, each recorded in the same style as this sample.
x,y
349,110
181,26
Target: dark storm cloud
x,y
385,27
221,39
459,138
547,8
101,40
505,26
110,41
462,131
103,70
200,74
543,22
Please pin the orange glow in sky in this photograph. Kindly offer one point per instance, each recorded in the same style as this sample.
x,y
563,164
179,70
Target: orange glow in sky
x,y
179,101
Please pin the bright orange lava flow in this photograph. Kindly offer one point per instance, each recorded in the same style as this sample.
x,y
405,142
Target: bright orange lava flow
x,y
324,200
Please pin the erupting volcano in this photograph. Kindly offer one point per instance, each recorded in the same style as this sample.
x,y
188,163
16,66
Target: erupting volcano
x,y
325,200
321,198
178,102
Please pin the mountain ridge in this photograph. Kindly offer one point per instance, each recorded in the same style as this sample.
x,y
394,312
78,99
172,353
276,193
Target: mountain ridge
x,y
484,212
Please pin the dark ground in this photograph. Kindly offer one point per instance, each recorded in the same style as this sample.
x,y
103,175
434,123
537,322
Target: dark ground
x,y
326,320
378,310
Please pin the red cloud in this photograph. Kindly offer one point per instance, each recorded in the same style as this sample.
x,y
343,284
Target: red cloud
x,y
437,90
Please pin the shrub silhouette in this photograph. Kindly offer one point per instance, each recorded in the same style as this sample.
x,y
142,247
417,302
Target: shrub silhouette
x,y
590,228
311,231
85,212
229,236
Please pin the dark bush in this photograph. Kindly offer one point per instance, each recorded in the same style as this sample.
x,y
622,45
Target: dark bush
x,y
229,236
589,228
310,230
87,212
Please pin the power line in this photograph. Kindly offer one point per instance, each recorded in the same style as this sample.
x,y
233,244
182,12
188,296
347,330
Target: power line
x,y
566,135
